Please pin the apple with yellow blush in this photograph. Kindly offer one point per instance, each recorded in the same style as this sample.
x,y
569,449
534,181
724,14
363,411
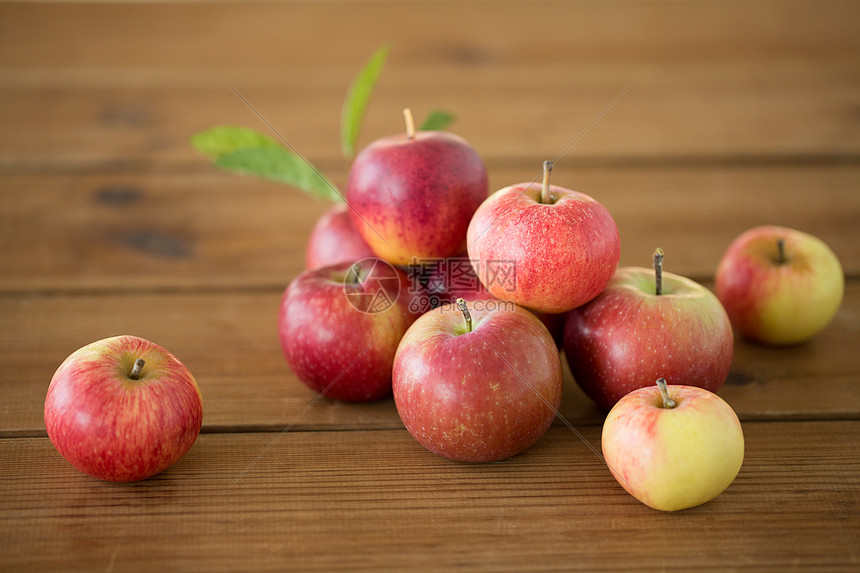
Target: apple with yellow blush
x,y
673,447
780,286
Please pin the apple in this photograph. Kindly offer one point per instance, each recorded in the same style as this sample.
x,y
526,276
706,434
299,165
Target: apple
x,y
123,409
339,327
635,332
479,385
673,447
334,239
544,247
779,285
413,194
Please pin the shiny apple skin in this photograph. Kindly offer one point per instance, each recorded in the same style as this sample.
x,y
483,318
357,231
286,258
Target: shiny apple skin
x,y
414,197
478,396
564,253
677,458
629,336
331,346
334,239
118,429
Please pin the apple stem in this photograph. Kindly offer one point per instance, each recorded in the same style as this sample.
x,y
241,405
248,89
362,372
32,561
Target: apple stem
x,y
658,271
545,195
461,304
410,123
356,273
780,248
135,370
664,392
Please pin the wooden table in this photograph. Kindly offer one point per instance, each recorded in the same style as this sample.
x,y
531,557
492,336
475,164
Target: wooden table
x,y
741,113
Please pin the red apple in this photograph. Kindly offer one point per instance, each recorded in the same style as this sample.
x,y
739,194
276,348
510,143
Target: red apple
x,y
630,335
547,248
334,239
123,409
481,387
673,447
779,285
413,194
339,329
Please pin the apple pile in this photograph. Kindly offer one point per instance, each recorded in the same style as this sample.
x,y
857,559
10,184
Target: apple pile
x,y
473,384
476,375
457,302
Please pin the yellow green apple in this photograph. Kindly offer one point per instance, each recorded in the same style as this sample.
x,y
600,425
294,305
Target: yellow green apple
x,y
673,447
779,285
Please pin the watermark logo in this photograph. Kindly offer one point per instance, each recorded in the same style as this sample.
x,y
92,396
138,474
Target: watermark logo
x,y
503,274
460,274
372,285
435,281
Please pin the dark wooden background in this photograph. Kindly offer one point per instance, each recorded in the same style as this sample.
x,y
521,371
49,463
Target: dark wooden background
x,y
741,113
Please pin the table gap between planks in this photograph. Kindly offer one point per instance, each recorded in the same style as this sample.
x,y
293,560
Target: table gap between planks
x,y
739,114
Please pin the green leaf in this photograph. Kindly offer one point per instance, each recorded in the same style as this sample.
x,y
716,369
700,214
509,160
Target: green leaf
x,y
356,101
280,164
247,151
226,139
438,119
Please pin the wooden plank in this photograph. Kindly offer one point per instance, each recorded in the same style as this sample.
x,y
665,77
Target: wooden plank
x,y
377,500
208,231
229,341
268,33
676,111
742,113
81,85
215,230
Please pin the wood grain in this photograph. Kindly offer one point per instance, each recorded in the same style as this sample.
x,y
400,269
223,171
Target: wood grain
x,y
229,341
678,113
741,113
446,32
216,230
372,500
719,80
